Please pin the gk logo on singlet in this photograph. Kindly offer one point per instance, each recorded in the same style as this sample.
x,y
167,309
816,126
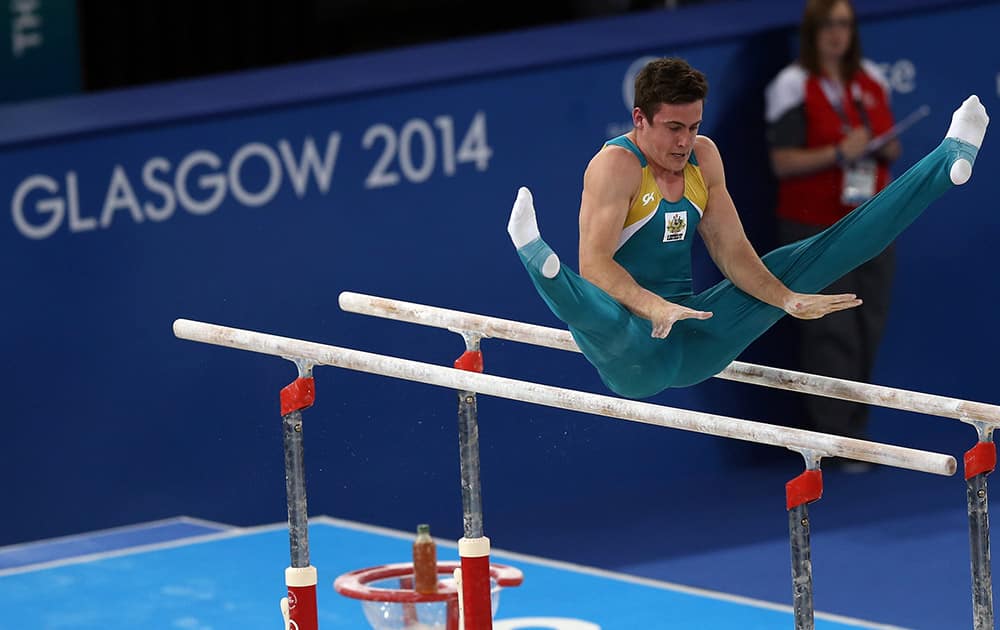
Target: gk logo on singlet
x,y
676,226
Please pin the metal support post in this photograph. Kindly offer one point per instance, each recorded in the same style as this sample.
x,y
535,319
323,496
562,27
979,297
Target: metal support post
x,y
299,608
980,461
474,547
799,492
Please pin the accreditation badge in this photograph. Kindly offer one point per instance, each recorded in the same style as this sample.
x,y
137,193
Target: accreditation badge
x,y
859,182
676,225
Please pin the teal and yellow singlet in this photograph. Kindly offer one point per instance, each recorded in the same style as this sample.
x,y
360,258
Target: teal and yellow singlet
x,y
655,248
655,244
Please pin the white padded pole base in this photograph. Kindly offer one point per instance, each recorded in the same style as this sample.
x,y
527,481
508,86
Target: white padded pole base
x,y
285,612
457,574
474,547
300,576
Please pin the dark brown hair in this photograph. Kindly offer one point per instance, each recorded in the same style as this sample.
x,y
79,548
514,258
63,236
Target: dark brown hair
x,y
815,14
668,80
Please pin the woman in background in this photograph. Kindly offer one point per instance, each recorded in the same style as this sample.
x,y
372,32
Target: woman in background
x,y
823,111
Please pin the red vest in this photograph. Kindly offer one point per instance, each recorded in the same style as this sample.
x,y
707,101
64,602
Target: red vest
x,y
815,198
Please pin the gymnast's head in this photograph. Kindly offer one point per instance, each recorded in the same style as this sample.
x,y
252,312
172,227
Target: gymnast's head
x,y
669,101
668,81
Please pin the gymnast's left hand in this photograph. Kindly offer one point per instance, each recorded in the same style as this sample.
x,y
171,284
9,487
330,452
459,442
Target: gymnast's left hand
x,y
814,306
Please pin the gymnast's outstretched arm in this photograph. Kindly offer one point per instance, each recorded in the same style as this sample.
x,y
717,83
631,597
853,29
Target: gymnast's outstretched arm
x,y
726,241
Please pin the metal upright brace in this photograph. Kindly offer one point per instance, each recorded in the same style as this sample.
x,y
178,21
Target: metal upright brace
x,y
799,493
299,608
474,547
980,461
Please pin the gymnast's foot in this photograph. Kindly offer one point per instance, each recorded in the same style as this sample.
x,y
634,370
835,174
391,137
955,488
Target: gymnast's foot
x,y
968,124
523,230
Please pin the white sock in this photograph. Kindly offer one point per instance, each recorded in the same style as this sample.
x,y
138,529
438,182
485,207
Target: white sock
x,y
969,122
522,226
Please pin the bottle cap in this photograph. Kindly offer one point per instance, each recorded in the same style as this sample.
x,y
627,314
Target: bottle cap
x,y
423,528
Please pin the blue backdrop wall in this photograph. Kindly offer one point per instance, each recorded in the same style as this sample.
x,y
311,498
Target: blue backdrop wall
x,y
253,200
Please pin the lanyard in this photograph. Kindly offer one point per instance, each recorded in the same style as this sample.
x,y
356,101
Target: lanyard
x,y
834,94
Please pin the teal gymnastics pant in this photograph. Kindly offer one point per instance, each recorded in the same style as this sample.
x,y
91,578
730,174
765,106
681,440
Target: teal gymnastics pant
x,y
634,364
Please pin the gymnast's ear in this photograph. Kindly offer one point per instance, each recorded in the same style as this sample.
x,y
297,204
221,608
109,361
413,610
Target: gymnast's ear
x,y
638,118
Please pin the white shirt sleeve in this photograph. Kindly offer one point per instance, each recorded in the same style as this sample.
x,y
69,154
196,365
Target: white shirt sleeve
x,y
786,91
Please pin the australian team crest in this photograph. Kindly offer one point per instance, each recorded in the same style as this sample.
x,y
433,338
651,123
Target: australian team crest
x,y
676,226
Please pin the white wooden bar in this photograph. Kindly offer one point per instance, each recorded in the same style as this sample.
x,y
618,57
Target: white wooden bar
x,y
458,321
819,444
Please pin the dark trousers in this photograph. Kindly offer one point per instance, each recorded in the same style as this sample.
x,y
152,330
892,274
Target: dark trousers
x,y
844,344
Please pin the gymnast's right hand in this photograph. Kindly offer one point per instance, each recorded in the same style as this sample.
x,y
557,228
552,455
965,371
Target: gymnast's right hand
x,y
666,314
814,306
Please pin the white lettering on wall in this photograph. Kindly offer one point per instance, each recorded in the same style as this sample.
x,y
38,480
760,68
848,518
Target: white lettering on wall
x,y
120,196
299,171
415,150
158,187
901,75
270,189
54,207
212,181
26,26
252,176
41,204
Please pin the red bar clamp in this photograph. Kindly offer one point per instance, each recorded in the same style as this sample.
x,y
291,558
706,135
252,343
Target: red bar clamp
x,y
470,361
805,488
297,395
980,459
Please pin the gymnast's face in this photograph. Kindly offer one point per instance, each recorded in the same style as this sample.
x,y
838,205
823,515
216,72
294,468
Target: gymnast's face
x,y
668,139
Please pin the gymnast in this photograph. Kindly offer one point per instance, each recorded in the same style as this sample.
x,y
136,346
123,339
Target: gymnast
x,y
632,310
